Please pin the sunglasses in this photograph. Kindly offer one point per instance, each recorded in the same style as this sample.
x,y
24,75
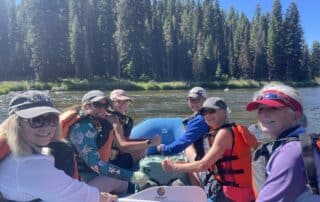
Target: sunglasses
x,y
209,111
274,96
51,120
99,105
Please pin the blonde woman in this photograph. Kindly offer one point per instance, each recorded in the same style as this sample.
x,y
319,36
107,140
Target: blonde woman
x,y
27,173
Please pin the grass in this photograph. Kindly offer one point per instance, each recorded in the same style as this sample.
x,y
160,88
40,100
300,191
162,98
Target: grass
x,y
73,84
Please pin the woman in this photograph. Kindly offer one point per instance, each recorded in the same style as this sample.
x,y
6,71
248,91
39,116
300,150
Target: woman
x,y
224,144
26,173
280,115
129,151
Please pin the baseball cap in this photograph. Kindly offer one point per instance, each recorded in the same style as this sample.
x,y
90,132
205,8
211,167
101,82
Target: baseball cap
x,y
197,92
93,96
213,103
30,104
119,94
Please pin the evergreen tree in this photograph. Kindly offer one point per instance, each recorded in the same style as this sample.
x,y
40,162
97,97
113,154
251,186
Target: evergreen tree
x,y
105,50
315,59
275,53
293,45
130,38
42,38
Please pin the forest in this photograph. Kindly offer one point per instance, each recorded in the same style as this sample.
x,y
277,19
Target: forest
x,y
159,40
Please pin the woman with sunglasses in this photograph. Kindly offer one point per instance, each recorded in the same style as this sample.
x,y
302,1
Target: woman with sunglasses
x,y
92,135
221,146
28,172
280,116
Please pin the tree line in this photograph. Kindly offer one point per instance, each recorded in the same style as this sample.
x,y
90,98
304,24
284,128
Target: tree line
x,y
161,40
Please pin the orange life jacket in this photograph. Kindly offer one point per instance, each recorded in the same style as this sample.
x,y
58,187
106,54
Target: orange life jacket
x,y
69,118
239,160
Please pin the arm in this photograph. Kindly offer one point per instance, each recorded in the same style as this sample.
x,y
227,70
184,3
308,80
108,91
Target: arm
x,y
223,141
82,137
38,177
131,145
196,128
286,170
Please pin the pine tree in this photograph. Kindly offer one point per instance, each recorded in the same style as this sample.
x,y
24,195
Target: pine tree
x,y
275,53
293,45
315,59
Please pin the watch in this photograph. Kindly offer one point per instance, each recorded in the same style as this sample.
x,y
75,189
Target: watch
x,y
149,141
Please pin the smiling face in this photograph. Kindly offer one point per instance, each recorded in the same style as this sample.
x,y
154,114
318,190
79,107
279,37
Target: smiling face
x,y
215,118
39,130
273,121
195,103
121,106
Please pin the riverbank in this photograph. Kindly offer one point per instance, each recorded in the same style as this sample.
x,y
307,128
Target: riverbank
x,y
107,84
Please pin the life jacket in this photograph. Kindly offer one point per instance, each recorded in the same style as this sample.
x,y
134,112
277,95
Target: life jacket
x,y
103,140
310,144
126,122
239,161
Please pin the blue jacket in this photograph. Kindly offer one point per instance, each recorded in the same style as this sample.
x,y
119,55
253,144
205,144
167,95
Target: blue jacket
x,y
196,128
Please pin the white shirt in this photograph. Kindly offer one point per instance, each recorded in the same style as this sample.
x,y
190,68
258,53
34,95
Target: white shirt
x,y
35,177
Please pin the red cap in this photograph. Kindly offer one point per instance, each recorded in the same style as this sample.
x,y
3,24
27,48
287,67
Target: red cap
x,y
274,98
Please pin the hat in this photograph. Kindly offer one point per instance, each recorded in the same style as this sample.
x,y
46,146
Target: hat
x,y
197,92
213,103
277,99
119,94
31,104
93,96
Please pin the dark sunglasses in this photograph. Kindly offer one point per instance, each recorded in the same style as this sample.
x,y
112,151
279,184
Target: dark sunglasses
x,y
99,105
44,120
209,111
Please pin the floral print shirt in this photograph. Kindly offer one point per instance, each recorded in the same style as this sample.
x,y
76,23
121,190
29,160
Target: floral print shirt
x,y
82,135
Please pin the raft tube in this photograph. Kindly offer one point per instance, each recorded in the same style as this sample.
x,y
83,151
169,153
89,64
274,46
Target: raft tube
x,y
169,128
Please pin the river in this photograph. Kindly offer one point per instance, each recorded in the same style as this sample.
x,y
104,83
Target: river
x,y
172,103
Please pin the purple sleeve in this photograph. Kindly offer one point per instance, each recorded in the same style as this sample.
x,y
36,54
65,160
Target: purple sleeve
x,y
286,179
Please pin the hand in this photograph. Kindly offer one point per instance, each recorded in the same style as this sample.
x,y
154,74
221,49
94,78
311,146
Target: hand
x,y
168,165
160,148
156,140
106,197
95,168
139,178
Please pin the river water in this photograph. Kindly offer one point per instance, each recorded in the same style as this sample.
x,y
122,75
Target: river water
x,y
172,103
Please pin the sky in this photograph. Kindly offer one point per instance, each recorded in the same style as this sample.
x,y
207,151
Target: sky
x,y
309,11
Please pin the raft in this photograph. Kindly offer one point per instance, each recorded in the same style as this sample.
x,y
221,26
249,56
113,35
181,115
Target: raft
x,y
169,128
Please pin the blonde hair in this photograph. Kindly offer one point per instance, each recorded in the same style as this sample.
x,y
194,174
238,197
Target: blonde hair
x,y
10,129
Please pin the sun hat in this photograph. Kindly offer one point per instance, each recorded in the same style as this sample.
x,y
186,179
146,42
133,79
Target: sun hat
x,y
119,94
31,103
93,96
277,99
197,92
213,103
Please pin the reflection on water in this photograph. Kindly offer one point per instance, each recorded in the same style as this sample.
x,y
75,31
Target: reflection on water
x,y
173,104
